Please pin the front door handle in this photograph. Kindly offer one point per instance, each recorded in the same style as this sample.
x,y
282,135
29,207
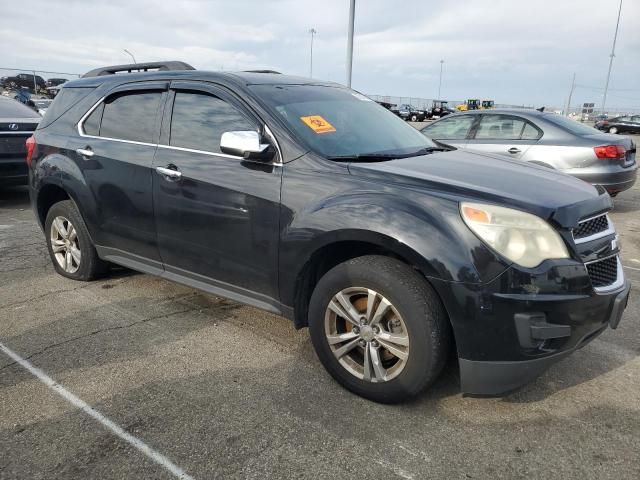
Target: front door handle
x,y
85,153
514,150
169,172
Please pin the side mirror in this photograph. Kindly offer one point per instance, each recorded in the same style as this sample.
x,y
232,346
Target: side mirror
x,y
246,144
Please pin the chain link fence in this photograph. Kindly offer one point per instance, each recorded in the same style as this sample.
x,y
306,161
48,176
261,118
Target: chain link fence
x,y
36,83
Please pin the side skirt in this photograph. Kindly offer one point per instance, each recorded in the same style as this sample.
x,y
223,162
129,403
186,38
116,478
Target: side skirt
x,y
194,280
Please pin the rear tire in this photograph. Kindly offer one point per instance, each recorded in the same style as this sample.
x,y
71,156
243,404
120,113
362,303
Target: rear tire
x,y
70,247
414,327
613,130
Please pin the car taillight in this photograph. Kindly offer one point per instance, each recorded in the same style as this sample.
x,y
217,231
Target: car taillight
x,y
31,146
610,151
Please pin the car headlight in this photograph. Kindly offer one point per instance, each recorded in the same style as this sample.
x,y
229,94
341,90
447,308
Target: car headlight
x,y
521,237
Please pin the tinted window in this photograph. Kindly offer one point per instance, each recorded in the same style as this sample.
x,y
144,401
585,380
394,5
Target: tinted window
x,y
91,125
65,99
198,121
452,128
130,116
500,127
570,125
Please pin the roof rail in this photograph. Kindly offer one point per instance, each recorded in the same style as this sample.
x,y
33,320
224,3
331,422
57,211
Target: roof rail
x,y
139,67
262,71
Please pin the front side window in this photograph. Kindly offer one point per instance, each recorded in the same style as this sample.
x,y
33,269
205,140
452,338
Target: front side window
x,y
199,120
129,116
452,128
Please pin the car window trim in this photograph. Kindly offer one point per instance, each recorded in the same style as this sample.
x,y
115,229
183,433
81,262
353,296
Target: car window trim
x,y
506,115
160,86
218,91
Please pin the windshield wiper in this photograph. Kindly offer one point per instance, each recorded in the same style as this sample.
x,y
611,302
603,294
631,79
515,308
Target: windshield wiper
x,y
365,157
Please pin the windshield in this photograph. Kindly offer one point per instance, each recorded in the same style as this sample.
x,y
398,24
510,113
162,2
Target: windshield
x,y
571,125
338,122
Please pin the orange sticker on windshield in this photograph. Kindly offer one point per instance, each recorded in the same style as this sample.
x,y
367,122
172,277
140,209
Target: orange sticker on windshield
x,y
318,124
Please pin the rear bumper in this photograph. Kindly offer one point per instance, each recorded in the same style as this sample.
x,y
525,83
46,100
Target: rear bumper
x,y
479,377
13,171
613,182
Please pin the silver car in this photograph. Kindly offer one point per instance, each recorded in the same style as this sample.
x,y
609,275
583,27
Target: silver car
x,y
546,139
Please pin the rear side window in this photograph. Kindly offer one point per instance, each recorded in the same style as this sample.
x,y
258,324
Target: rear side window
x,y
453,128
199,120
130,116
91,125
505,127
65,99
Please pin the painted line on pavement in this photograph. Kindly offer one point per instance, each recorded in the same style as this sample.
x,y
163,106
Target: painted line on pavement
x,y
154,455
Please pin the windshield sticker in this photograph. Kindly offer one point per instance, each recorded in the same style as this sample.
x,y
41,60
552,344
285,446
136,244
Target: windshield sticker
x,y
359,96
318,124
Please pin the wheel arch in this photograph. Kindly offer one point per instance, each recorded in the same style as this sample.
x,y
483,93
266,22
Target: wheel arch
x,y
343,246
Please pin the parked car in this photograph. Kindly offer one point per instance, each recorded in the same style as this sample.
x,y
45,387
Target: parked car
x,y
23,80
309,200
410,113
17,123
387,105
624,124
546,139
54,82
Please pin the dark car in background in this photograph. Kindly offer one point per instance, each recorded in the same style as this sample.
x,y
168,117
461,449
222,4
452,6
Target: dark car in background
x,y
410,113
309,200
17,123
24,80
546,139
54,82
623,124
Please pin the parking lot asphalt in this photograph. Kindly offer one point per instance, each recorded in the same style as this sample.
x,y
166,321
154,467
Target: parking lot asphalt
x,y
227,391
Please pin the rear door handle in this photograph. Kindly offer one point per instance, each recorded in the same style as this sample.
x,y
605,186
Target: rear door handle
x,y
85,153
514,150
169,172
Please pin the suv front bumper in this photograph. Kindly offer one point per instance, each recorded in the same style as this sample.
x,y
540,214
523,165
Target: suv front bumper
x,y
512,329
496,377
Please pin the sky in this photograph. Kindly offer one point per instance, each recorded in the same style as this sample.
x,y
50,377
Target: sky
x,y
515,51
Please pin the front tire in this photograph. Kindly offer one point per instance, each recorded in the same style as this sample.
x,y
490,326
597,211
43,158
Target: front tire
x,y
613,130
379,328
70,248
414,118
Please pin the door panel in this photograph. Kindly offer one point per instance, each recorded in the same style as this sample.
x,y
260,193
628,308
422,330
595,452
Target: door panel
x,y
218,222
119,142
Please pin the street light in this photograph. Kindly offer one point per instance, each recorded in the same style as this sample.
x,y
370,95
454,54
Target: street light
x,y
312,32
131,54
440,83
613,54
352,12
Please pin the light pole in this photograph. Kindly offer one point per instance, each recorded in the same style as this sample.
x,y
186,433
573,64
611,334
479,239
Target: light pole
x,y
352,12
312,32
573,86
613,54
131,54
440,83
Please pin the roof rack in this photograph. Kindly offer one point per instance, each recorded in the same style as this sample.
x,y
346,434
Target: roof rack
x,y
262,71
139,67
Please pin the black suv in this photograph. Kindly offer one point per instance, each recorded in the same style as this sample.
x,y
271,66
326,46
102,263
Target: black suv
x,y
33,83
307,199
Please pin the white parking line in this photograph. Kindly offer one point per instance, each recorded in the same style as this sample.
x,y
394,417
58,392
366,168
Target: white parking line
x,y
632,268
154,455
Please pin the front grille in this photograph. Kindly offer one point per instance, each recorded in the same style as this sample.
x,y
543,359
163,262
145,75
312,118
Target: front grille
x,y
591,227
12,145
603,272
18,126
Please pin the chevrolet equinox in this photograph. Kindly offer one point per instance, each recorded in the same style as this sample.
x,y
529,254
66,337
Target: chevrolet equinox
x,y
309,200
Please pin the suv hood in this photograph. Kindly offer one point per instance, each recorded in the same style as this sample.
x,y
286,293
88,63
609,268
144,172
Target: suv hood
x,y
462,175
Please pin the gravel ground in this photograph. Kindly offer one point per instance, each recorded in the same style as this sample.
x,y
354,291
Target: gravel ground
x,y
227,391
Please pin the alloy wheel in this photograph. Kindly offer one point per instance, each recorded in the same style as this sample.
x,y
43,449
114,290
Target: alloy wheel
x,y
64,244
366,334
